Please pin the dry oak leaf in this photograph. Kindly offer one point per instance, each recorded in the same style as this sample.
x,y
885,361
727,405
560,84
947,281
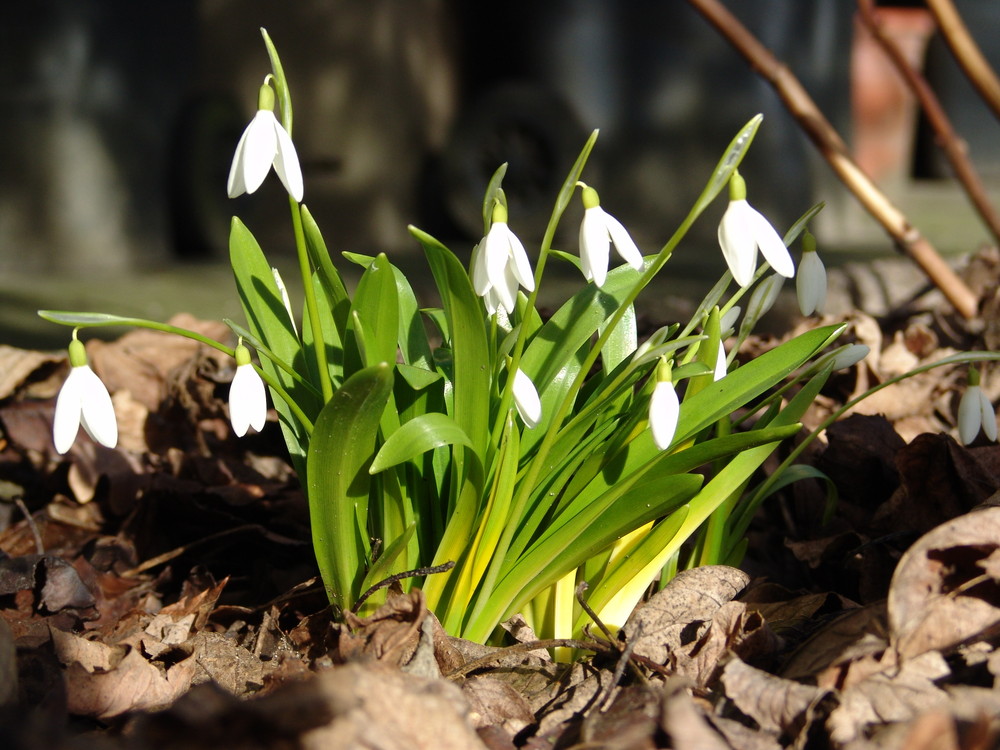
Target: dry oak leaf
x,y
693,621
941,592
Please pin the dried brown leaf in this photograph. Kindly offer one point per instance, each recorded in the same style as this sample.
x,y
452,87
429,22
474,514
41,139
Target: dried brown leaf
x,y
673,617
776,704
939,596
685,722
493,702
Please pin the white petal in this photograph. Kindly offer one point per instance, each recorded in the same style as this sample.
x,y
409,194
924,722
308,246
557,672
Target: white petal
x,y
810,284
771,245
737,242
848,356
286,162
970,414
247,401
258,150
720,363
477,269
519,263
595,245
97,413
506,290
988,417
624,243
69,404
664,410
235,185
496,251
526,400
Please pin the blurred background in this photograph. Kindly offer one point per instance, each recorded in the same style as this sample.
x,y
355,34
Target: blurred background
x,y
121,117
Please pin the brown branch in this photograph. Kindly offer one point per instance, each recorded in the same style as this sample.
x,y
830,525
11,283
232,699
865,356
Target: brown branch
x,y
967,52
798,102
954,148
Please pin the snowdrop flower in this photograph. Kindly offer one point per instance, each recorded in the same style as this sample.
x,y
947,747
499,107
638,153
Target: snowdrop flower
x,y
810,284
597,231
742,230
499,264
247,400
721,367
664,407
265,143
526,400
83,400
975,411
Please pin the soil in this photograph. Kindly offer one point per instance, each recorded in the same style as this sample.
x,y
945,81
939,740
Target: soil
x,y
164,594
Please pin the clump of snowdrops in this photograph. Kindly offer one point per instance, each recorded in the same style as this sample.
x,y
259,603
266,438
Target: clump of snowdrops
x,y
516,456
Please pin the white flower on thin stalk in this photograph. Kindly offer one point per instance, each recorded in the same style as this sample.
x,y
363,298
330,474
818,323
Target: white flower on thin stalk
x,y
975,412
664,407
810,284
83,400
265,144
742,230
529,406
247,397
500,264
598,231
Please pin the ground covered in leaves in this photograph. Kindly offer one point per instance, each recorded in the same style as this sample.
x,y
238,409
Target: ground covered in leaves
x,y
163,594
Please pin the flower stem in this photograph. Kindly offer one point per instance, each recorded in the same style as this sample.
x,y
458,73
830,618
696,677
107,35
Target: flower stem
x,y
305,268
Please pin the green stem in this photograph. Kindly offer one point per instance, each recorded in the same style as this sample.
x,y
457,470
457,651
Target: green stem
x,y
306,270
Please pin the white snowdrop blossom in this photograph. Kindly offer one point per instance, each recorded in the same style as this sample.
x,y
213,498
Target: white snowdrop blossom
x,y
742,230
664,407
848,356
975,411
529,407
247,398
83,400
598,231
265,144
720,364
810,284
499,264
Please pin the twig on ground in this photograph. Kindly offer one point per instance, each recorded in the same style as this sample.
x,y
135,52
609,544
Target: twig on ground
x,y
798,102
953,147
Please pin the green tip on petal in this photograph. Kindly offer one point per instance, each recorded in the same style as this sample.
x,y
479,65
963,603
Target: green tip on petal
x,y
499,213
973,376
77,353
242,355
737,187
590,197
265,98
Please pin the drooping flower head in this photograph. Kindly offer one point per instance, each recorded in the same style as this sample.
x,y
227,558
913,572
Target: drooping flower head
x,y
83,400
247,397
810,284
598,231
975,412
529,407
499,264
265,144
742,230
664,407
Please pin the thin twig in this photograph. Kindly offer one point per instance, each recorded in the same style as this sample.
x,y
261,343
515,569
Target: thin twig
x,y
812,121
443,568
527,647
39,545
967,52
953,147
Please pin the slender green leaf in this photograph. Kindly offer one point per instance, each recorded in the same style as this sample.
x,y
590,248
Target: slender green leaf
x,y
419,435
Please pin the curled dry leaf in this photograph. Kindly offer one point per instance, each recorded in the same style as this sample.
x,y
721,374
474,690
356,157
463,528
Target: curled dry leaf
x,y
778,705
692,623
942,593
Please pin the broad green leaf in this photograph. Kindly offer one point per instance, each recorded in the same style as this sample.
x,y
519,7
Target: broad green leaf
x,y
338,300
337,479
471,357
376,306
419,435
